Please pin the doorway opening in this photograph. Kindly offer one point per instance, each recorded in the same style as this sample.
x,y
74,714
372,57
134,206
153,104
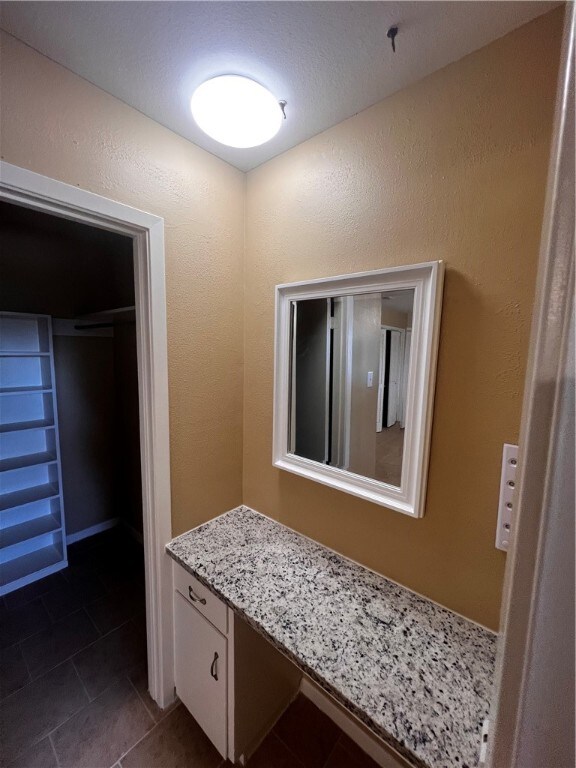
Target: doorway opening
x,y
71,545
143,407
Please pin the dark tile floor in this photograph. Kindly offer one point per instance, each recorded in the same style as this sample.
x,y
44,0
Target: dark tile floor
x,y
73,680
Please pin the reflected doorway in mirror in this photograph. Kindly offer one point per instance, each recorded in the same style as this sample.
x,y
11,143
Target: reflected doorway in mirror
x,y
349,381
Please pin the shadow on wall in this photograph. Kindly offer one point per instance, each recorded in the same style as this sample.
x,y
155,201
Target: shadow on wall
x,y
127,467
97,388
84,370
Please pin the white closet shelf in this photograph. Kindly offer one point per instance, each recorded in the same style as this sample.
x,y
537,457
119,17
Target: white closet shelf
x,y
19,426
32,524
34,562
27,495
27,531
29,460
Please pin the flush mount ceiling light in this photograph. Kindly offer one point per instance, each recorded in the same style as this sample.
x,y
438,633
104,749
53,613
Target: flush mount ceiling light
x,y
236,111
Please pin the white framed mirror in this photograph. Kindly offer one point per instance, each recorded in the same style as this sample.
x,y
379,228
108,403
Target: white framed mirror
x,y
355,369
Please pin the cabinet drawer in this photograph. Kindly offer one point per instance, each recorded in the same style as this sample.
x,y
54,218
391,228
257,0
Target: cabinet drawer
x,y
201,598
200,671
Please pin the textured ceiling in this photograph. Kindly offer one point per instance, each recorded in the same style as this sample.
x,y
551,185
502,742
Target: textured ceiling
x,y
328,60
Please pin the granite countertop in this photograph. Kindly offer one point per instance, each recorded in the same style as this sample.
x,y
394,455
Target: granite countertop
x,y
417,674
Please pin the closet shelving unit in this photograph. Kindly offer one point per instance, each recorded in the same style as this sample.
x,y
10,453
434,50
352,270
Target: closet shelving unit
x,y
32,531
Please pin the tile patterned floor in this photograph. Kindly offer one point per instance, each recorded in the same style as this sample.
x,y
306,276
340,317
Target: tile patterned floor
x,y
389,449
73,680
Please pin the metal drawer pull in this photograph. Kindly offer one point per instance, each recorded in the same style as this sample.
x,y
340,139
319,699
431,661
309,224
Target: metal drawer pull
x,y
213,670
194,597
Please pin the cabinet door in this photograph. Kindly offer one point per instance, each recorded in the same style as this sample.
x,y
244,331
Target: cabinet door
x,y
200,671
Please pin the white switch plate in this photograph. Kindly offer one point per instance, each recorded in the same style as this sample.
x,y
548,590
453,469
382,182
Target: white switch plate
x,y
370,379
506,503
484,741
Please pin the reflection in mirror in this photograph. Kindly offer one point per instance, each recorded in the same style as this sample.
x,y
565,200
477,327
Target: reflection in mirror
x,y
350,362
354,372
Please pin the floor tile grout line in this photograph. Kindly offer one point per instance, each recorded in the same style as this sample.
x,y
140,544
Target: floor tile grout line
x,y
79,676
47,734
49,737
294,755
68,658
34,680
85,609
53,731
31,600
102,636
168,710
148,732
61,661
30,678
136,743
332,750
27,637
84,706
41,597
40,603
79,607
142,698
81,650
120,675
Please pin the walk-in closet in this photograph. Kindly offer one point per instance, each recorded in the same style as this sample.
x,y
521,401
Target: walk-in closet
x,y
69,450
72,596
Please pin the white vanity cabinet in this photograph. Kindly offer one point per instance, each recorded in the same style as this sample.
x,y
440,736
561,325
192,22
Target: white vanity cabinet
x,y
232,681
200,671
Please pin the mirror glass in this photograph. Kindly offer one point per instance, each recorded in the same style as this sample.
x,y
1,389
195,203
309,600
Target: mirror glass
x,y
349,372
354,372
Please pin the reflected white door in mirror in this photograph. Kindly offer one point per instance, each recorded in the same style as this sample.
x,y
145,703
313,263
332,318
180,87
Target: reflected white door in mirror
x,y
355,369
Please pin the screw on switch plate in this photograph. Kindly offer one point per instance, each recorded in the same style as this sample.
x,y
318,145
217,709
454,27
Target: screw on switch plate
x,y
507,488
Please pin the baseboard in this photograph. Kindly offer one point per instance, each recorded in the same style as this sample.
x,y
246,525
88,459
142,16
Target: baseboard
x,y
381,753
72,538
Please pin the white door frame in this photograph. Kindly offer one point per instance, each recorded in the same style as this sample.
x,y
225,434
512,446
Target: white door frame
x,y
382,370
41,193
533,690
405,372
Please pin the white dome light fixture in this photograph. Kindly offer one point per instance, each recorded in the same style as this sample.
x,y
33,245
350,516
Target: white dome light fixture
x,y
236,111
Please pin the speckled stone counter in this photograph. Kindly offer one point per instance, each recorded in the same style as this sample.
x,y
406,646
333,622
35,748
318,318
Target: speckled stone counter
x,y
418,675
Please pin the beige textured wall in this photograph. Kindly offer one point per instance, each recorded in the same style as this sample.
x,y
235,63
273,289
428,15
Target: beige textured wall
x,y
394,317
450,168
57,124
84,370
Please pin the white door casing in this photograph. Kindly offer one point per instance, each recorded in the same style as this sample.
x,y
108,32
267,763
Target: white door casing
x,y
405,374
532,715
394,377
31,190
397,380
